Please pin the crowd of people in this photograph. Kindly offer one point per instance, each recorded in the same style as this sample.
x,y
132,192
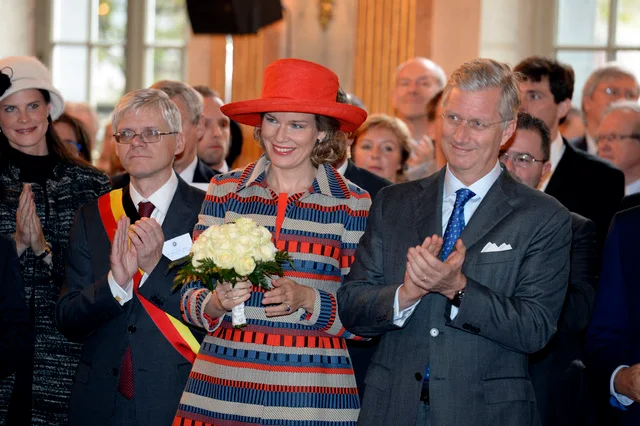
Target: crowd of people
x,y
468,261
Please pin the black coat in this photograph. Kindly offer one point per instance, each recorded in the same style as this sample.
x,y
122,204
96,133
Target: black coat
x,y
15,330
589,187
202,174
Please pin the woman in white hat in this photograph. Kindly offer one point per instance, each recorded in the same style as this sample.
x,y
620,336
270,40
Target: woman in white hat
x,y
42,184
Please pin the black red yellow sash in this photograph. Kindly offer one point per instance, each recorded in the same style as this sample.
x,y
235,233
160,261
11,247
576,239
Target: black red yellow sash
x,y
111,210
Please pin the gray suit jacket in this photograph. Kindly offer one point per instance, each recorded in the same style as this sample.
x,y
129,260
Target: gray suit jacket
x,y
88,313
511,306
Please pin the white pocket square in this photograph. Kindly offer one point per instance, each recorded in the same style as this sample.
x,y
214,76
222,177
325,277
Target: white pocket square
x,y
493,247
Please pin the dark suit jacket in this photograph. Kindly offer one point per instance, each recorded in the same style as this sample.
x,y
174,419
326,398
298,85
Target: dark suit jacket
x,y
556,371
589,187
370,182
202,174
630,201
513,298
16,335
580,143
87,312
614,334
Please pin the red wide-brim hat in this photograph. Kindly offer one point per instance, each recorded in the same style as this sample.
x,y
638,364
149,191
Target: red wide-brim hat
x,y
295,85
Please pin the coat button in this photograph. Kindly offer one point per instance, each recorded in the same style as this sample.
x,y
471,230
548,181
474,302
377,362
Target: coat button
x,y
131,329
114,371
418,377
434,332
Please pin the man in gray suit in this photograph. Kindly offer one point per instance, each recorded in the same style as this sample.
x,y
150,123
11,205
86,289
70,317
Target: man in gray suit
x,y
462,274
118,295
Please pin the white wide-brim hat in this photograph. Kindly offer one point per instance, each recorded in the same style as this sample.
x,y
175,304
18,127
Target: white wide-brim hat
x,y
26,72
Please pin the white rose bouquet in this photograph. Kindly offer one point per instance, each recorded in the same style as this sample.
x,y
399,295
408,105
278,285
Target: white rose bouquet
x,y
239,251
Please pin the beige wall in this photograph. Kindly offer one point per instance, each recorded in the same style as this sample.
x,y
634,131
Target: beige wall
x,y
512,30
17,30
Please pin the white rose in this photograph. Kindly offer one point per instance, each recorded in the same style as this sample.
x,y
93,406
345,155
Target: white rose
x,y
244,265
224,258
267,252
199,254
245,224
265,235
243,246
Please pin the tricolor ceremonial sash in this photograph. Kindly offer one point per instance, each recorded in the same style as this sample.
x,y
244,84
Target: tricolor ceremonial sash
x,y
111,210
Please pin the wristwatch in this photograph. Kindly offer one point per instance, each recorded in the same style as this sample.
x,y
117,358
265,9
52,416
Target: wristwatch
x,y
457,299
45,253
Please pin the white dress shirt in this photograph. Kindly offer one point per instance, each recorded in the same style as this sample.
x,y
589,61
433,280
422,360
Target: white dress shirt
x,y
161,200
343,167
592,145
632,188
451,185
556,153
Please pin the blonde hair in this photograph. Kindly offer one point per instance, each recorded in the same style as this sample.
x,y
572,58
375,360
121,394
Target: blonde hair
x,y
395,126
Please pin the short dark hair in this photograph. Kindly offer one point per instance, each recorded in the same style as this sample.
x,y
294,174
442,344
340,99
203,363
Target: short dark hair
x,y
528,122
206,92
561,76
432,106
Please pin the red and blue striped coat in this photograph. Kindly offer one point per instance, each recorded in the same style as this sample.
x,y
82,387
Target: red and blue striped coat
x,y
287,370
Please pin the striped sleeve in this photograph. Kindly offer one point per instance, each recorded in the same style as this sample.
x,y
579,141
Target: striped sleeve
x,y
325,311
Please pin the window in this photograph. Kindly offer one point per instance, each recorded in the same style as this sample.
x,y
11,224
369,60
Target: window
x,y
101,49
592,32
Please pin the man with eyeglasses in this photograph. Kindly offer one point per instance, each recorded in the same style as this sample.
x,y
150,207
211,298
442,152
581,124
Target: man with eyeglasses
x,y
583,183
608,83
619,143
557,372
117,298
461,274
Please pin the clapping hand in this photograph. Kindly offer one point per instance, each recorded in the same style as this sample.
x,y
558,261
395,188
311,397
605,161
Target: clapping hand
x,y
124,256
28,226
147,237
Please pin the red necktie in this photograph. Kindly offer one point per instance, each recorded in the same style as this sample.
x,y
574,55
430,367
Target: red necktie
x,y
125,384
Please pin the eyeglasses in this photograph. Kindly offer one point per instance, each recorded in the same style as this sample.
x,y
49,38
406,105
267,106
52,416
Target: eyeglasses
x,y
75,144
614,92
520,159
617,137
454,121
148,136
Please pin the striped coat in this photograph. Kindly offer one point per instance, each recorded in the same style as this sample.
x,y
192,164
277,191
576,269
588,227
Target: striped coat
x,y
287,370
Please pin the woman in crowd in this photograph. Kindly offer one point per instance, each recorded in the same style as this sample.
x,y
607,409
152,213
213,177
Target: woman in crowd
x,y
290,364
382,146
41,186
72,131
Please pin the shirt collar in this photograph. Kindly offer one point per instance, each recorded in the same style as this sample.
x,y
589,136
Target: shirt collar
x,y
224,168
632,188
188,173
479,187
161,199
327,181
343,167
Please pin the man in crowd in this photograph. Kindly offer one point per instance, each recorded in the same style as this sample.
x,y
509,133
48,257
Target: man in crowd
x,y
557,370
213,146
458,314
606,84
417,81
619,143
584,184
613,340
118,294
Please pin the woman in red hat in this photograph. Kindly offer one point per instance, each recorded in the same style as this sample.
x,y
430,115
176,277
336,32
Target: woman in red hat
x,y
290,364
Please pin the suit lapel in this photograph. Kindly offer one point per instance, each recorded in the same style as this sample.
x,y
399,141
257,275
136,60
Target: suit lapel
x,y
129,208
493,208
561,174
181,207
427,206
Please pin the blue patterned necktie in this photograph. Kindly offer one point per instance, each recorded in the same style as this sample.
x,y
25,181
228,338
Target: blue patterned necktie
x,y
456,222
451,234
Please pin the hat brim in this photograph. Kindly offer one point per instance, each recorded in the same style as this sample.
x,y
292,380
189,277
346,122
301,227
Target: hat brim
x,y
56,102
249,112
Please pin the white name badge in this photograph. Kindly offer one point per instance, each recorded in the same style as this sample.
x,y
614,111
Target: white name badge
x,y
177,247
